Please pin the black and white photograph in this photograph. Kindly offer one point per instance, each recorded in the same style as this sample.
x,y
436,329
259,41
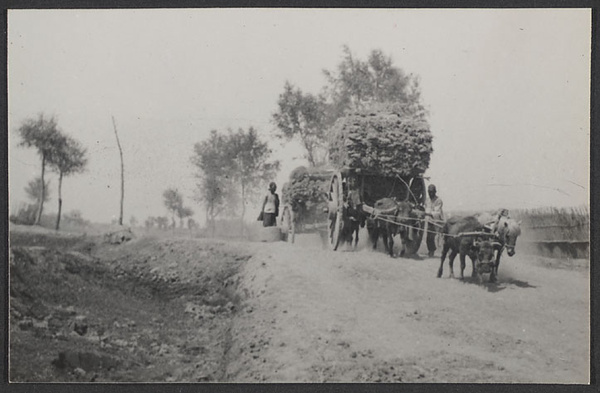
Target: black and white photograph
x,y
299,195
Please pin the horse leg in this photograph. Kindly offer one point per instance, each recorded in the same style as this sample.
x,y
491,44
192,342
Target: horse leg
x,y
473,262
444,252
462,264
451,262
385,237
372,233
494,275
403,242
391,244
356,236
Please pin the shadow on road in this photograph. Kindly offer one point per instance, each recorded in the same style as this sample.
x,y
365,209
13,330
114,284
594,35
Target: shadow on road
x,y
497,286
519,283
494,287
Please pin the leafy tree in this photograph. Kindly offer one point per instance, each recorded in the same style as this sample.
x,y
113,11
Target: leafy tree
x,y
192,224
232,168
149,223
33,190
25,214
214,175
302,116
162,222
357,84
183,213
174,202
75,217
251,168
42,134
69,158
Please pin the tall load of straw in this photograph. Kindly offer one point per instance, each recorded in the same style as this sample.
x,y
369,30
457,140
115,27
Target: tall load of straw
x,y
384,141
307,188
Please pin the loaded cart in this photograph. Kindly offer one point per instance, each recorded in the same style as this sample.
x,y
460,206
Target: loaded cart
x,y
370,188
379,154
304,199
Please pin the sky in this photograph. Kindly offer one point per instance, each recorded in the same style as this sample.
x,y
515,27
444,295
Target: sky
x,y
508,92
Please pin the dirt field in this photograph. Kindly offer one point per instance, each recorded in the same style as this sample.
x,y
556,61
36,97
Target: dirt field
x,y
197,310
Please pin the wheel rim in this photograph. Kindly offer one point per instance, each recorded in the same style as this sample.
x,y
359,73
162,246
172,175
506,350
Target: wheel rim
x,y
287,224
335,219
292,227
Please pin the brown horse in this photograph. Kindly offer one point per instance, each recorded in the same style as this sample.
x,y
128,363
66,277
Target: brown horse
x,y
354,219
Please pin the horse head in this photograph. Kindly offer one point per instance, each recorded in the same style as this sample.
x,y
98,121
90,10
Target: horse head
x,y
508,231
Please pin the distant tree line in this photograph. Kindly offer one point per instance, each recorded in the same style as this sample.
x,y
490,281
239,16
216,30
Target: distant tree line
x,y
232,167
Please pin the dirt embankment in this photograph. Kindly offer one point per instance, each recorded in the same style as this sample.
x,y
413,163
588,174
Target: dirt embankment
x,y
150,310
192,310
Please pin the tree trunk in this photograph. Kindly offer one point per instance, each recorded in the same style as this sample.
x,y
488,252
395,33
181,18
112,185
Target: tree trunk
x,y
310,154
122,173
211,220
243,208
207,216
60,177
42,193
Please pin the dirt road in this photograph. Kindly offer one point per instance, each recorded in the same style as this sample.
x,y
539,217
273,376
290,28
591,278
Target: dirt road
x,y
319,316
197,310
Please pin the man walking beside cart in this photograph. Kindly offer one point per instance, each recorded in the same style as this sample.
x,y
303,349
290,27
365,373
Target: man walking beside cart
x,y
434,216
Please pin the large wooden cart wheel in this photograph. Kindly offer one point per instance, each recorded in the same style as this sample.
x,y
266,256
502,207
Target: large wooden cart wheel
x,y
335,220
288,224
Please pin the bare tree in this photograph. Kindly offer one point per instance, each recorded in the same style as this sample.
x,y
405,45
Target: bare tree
x,y
122,172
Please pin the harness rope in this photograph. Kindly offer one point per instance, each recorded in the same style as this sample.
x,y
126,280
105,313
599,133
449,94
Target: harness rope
x,y
382,217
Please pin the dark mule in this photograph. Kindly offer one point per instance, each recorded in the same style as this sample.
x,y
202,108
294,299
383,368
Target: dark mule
x,y
484,259
388,219
354,219
463,245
